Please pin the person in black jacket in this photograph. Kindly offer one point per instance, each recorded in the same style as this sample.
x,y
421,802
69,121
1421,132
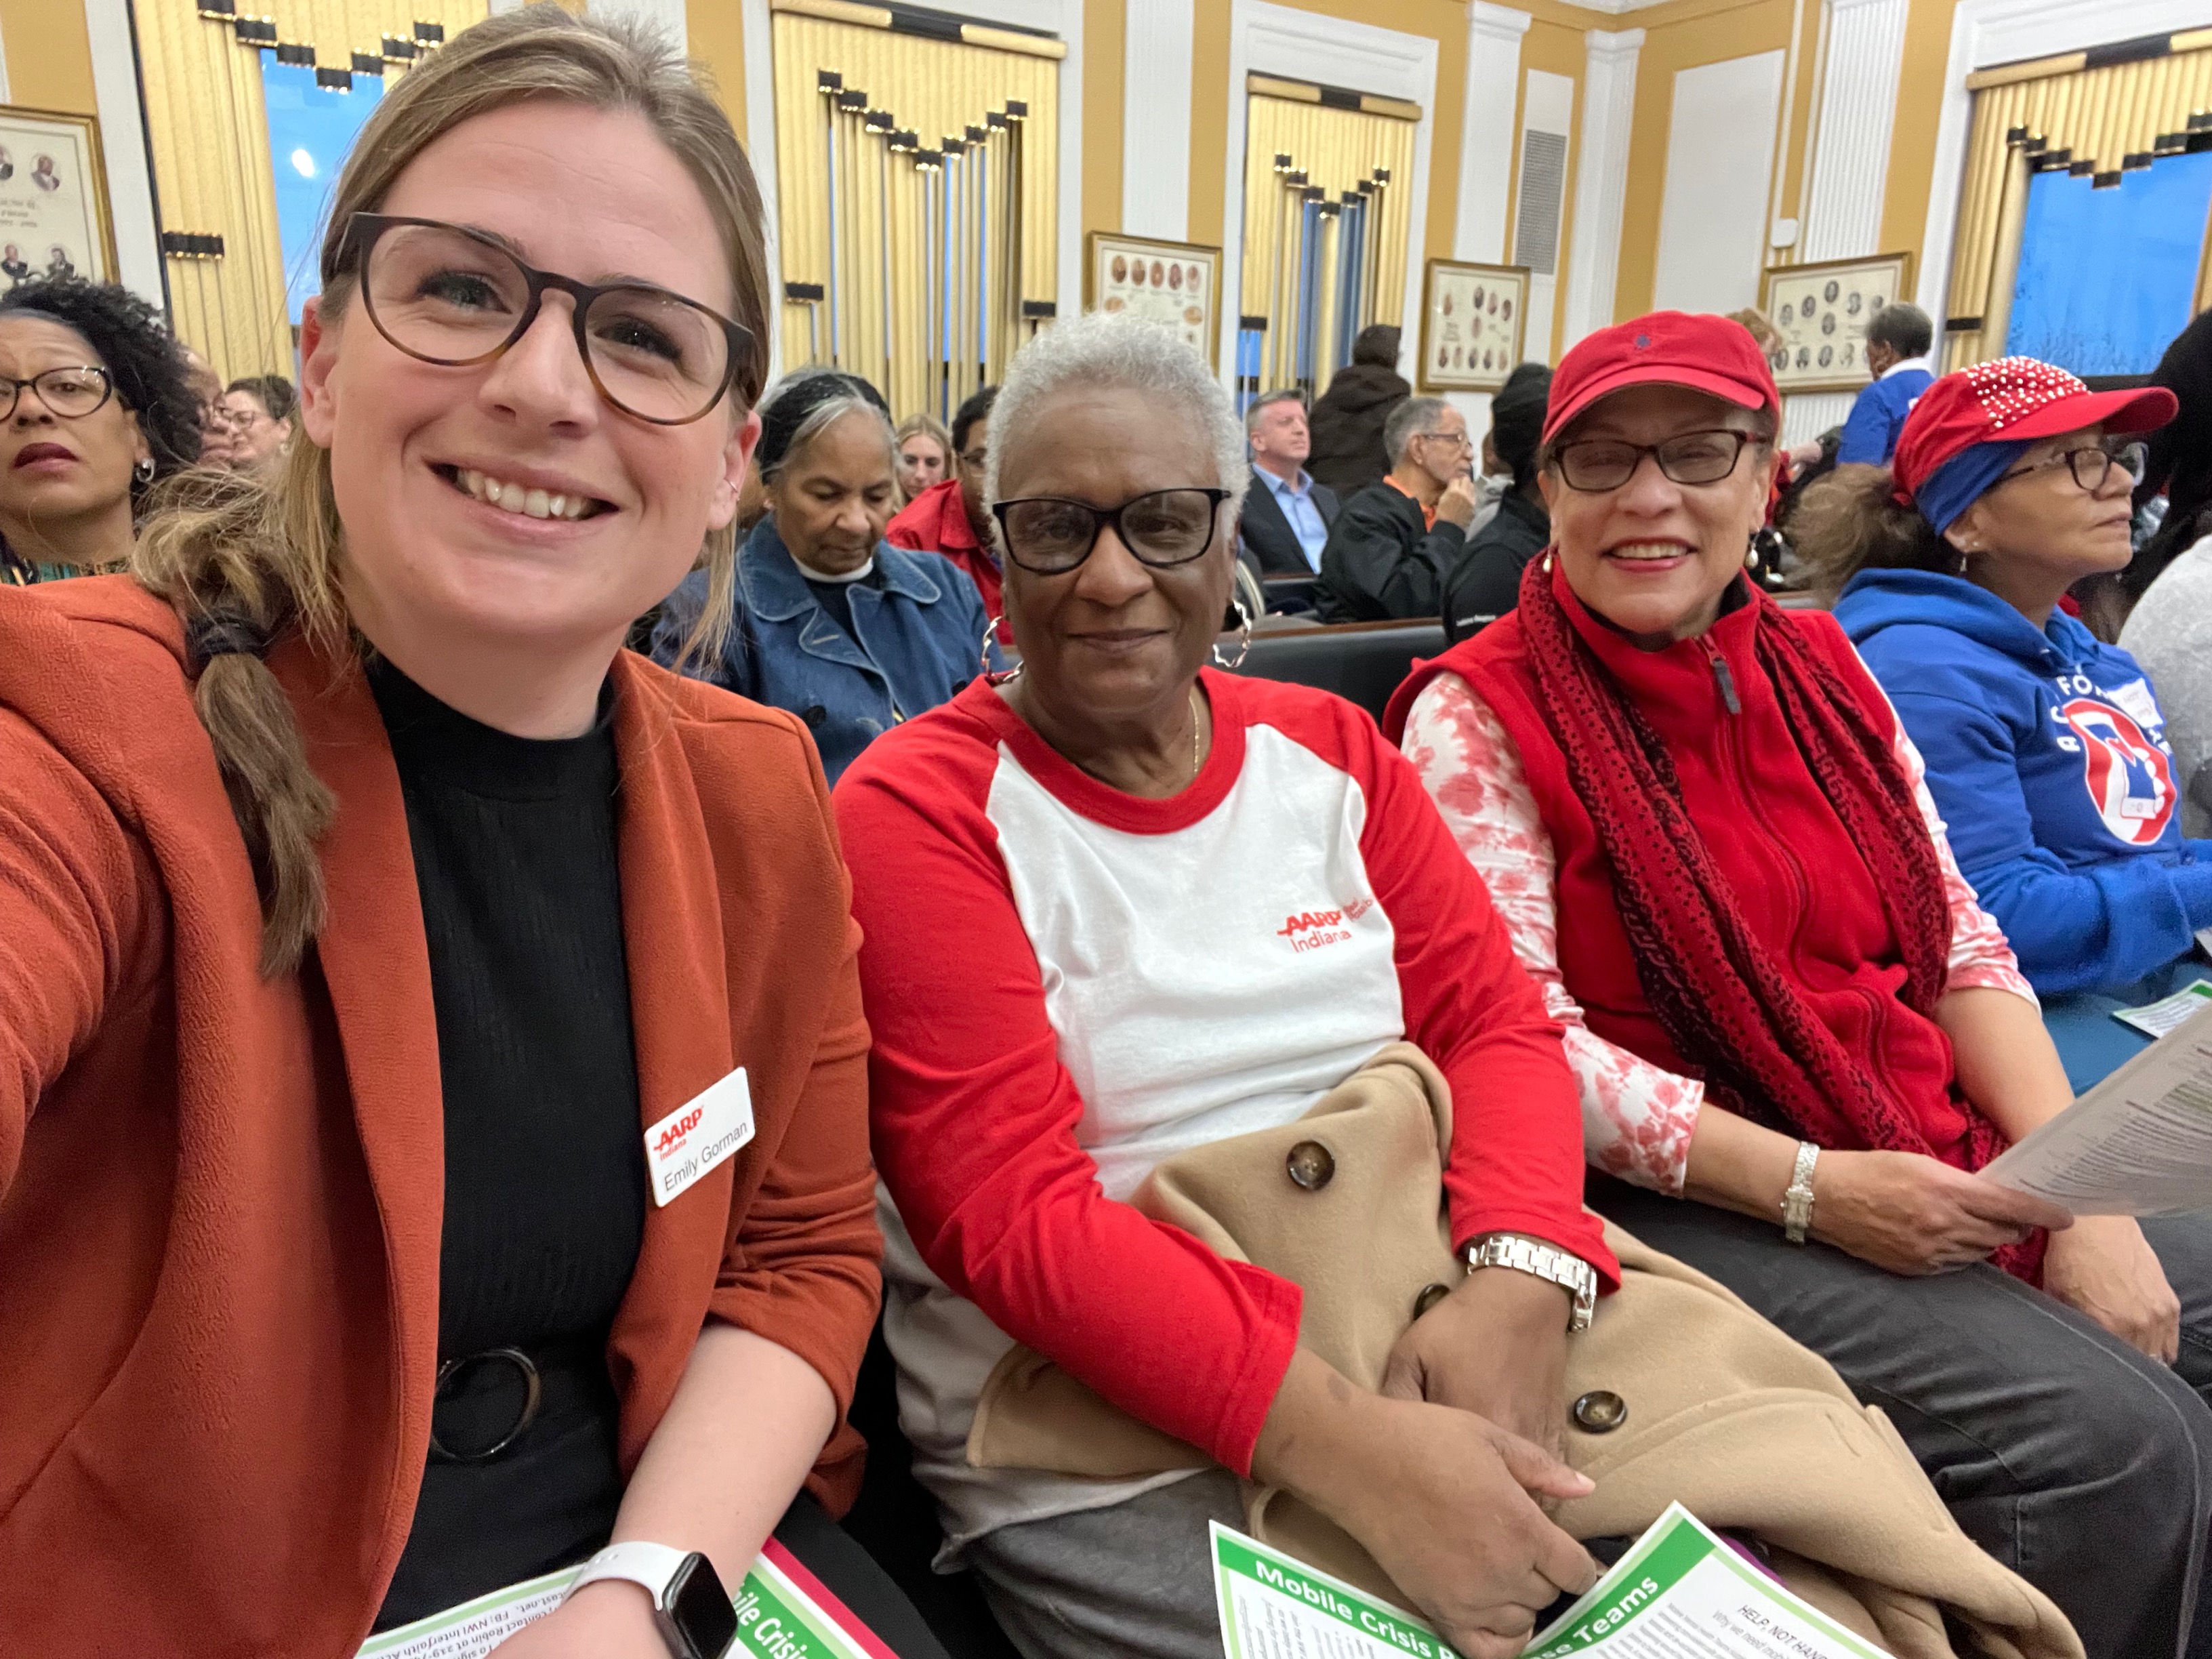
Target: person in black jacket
x,y
1348,449
1486,583
1396,540
1286,517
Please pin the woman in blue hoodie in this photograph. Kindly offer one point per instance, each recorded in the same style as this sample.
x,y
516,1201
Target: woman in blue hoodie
x,y
2045,750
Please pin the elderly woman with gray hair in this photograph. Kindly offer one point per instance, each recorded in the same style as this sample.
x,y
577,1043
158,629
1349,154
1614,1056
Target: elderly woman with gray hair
x,y
831,621
1184,907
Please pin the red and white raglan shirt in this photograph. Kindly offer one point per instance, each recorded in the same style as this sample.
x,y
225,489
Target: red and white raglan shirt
x,y
1067,984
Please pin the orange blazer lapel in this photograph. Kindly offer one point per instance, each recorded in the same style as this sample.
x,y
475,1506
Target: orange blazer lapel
x,y
377,964
680,1018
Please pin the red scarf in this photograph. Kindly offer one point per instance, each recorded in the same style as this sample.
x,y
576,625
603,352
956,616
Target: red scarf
x,y
1728,1005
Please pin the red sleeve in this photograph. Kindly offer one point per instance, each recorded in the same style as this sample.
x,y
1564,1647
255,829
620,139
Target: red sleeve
x,y
975,1117
1516,1151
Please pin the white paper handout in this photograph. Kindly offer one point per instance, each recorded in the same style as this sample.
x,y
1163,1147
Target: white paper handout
x,y
1682,1589
783,1612
2139,1143
2157,1018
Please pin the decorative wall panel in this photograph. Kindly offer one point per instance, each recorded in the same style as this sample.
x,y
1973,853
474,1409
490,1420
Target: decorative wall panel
x,y
208,131
1327,224
917,200
2093,121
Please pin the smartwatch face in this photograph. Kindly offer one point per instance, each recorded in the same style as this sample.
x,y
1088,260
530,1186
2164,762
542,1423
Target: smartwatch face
x,y
699,1606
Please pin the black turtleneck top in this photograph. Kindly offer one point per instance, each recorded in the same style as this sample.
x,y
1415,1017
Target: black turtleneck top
x,y
516,865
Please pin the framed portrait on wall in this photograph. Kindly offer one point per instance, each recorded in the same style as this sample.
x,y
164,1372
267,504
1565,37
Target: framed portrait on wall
x,y
1822,311
1474,319
1174,284
53,197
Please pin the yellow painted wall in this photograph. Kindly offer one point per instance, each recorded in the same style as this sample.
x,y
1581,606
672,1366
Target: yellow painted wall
x,y
1678,36
49,63
49,55
1912,140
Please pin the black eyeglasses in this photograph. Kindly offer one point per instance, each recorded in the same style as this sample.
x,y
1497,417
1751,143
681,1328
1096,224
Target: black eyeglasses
x,y
70,393
1049,535
1594,465
446,295
2092,465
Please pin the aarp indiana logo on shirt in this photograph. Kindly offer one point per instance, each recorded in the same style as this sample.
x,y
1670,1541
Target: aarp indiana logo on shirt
x,y
2130,775
1309,930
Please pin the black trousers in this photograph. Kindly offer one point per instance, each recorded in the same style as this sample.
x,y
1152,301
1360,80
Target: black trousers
x,y
850,1573
2079,1463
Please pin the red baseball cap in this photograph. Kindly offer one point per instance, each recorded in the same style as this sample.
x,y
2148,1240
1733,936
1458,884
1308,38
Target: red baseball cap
x,y
2014,398
1708,354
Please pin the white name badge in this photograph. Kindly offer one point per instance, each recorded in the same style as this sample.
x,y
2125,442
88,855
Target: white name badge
x,y
705,1131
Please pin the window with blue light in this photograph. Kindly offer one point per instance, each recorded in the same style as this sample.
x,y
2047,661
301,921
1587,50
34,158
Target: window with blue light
x,y
2108,277
310,132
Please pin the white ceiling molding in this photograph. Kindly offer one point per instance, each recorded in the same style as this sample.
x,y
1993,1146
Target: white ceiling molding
x,y
1063,18
1485,145
1265,39
1601,181
1155,120
1985,33
123,144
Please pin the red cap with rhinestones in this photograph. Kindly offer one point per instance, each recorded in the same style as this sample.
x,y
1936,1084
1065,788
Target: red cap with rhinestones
x,y
1712,354
2019,398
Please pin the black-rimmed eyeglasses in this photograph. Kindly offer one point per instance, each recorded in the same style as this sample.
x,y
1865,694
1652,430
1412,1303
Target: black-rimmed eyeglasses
x,y
72,393
1594,465
2092,465
1050,535
446,295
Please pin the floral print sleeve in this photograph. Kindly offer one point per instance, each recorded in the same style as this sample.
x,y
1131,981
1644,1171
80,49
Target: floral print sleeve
x,y
1636,1117
1980,954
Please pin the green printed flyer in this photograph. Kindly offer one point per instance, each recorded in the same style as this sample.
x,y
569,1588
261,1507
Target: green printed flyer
x,y
782,1613
1682,1591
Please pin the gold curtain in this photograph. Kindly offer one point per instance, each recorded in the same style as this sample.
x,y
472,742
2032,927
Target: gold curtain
x,y
1354,165
210,141
917,199
2057,112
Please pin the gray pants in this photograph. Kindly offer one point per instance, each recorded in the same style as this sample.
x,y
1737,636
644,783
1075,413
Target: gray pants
x,y
2078,1464
1136,1578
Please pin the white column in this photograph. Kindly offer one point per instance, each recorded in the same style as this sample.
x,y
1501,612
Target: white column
x,y
1851,149
1486,144
666,16
1155,120
1602,183
1841,213
123,143
5,97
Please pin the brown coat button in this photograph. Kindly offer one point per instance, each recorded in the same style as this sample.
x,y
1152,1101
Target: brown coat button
x,y
1311,1165
1601,1411
1430,1296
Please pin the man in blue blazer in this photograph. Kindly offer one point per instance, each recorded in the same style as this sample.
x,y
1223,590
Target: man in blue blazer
x,y
1286,514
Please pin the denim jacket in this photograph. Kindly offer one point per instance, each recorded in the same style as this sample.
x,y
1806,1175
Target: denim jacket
x,y
919,640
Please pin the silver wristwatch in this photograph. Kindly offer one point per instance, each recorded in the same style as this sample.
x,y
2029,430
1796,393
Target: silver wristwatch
x,y
1797,1201
1547,1261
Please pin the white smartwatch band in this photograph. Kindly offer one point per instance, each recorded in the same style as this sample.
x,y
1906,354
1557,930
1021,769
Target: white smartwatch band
x,y
652,1566
1797,1201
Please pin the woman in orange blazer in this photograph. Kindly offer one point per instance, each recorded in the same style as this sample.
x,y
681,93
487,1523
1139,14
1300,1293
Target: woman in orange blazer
x,y
433,1136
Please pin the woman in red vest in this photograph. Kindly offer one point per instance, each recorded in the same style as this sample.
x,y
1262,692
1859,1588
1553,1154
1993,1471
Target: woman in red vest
x,y
1712,842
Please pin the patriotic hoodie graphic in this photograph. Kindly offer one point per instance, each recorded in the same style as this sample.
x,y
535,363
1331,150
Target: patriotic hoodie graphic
x,y
2047,757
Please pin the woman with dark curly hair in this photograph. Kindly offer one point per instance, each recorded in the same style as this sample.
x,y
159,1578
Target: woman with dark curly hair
x,y
95,405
